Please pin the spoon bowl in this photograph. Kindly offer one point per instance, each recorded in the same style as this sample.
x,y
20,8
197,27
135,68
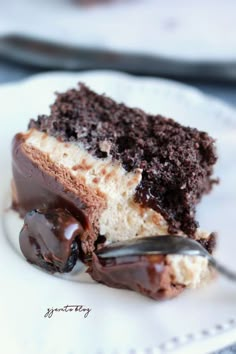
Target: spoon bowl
x,y
162,245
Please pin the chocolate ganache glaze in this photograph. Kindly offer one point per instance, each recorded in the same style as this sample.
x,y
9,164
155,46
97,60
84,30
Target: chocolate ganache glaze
x,y
50,239
149,275
39,190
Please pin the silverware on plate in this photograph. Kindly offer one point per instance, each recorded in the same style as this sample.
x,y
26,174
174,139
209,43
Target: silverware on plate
x,y
162,245
52,55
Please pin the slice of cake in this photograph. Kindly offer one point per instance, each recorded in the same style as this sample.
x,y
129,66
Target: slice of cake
x,y
119,171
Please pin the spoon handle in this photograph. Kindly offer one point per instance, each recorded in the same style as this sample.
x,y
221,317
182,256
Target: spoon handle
x,y
222,269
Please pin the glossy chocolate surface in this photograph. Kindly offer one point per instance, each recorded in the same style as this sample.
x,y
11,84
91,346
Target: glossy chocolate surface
x,y
149,275
39,190
50,239
36,189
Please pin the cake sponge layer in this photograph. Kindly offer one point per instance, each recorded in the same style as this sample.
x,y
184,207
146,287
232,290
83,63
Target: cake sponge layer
x,y
176,161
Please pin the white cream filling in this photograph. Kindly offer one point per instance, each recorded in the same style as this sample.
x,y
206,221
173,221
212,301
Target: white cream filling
x,y
192,271
123,218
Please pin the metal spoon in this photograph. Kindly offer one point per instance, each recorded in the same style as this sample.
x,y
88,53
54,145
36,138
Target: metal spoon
x,y
162,245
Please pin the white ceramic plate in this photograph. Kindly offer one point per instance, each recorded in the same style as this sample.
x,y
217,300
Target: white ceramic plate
x,y
179,29
120,321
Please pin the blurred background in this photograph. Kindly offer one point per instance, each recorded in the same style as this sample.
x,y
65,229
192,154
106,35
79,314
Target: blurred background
x,y
186,40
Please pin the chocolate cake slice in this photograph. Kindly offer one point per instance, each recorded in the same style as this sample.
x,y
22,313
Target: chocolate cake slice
x,y
121,172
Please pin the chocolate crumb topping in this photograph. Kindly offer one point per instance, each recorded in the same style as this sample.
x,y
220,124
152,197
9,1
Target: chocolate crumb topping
x,y
177,161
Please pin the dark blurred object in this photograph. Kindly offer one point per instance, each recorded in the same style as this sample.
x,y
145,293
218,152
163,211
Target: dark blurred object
x,y
49,55
91,2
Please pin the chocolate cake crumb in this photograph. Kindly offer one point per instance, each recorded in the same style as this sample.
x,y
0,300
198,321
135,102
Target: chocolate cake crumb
x,y
177,161
210,243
